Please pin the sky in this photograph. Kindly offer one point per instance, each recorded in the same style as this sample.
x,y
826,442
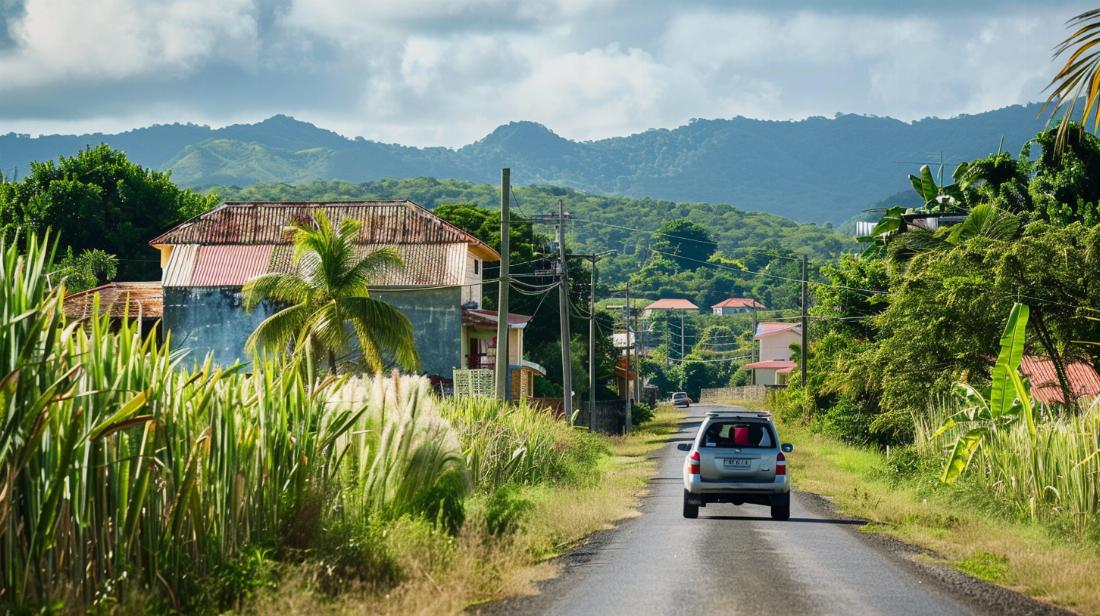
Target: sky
x,y
447,72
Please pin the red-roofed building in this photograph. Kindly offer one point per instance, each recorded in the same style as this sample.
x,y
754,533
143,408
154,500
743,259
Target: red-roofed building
x,y
206,260
670,304
775,339
736,305
1083,380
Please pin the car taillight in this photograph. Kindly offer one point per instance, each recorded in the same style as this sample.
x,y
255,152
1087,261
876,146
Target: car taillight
x,y
694,470
780,464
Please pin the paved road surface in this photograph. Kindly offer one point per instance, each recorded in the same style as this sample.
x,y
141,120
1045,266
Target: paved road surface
x,y
736,560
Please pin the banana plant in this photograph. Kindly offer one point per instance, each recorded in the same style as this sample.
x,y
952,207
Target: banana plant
x,y
1007,401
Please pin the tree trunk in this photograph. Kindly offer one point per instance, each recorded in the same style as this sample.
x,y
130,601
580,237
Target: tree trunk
x,y
332,361
1056,359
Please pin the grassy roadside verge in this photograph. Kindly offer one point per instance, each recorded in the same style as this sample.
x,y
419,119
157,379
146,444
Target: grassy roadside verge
x,y
453,573
964,530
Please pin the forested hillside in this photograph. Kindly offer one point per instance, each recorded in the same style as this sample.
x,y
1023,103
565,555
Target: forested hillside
x,y
599,223
817,169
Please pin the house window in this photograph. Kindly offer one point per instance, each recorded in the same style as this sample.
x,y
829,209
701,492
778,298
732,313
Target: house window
x,y
477,266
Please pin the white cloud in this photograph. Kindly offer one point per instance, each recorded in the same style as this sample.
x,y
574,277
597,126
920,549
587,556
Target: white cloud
x,y
115,39
431,72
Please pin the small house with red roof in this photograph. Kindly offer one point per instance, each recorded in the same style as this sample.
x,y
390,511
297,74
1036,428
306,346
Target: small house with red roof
x,y
774,340
736,305
1082,378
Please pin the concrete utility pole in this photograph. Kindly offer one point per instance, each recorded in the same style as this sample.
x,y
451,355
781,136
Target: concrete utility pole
x,y
501,366
805,321
563,309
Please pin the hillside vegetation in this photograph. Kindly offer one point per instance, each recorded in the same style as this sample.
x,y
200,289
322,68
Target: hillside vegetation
x,y
817,169
600,222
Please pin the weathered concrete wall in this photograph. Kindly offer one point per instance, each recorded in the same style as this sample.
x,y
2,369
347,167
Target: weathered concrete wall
x,y
210,320
213,320
436,316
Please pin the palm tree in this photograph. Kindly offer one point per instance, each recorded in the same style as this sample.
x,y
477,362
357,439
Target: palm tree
x,y
1079,77
327,295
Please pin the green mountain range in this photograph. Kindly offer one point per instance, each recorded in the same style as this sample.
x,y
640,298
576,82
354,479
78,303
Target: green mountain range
x,y
815,170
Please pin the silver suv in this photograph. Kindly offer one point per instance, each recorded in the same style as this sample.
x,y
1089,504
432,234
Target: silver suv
x,y
736,458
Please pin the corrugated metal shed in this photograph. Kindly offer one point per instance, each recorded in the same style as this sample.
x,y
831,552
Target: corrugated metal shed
x,y
383,222
1083,379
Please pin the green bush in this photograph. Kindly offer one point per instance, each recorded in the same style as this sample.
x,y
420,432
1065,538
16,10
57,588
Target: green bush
x,y
640,413
505,510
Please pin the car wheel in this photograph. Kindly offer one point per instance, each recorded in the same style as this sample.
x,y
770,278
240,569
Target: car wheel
x,y
781,506
690,511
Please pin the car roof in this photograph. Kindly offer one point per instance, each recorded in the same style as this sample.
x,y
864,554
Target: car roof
x,y
739,414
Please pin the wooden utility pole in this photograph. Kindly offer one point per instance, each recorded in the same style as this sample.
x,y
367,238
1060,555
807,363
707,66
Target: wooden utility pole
x,y
626,382
682,332
637,363
805,322
593,259
501,366
752,339
563,309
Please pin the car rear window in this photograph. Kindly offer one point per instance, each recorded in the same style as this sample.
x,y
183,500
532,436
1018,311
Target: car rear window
x,y
740,434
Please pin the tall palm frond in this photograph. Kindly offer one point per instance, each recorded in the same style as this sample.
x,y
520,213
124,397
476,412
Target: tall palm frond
x,y
1079,77
327,300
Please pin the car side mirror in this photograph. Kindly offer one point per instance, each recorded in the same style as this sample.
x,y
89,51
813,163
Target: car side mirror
x,y
787,448
683,447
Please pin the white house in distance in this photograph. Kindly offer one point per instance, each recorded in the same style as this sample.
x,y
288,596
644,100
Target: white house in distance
x,y
671,305
775,341
736,305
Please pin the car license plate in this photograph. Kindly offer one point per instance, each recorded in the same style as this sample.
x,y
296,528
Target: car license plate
x,y
735,462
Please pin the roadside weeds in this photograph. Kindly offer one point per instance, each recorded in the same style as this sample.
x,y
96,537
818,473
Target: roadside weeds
x,y
476,568
1023,557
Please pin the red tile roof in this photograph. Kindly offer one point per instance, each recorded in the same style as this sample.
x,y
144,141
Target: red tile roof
x,y
780,365
1082,377
767,328
137,299
738,302
266,222
672,304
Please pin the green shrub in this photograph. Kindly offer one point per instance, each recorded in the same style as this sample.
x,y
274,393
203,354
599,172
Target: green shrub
x,y
640,413
505,510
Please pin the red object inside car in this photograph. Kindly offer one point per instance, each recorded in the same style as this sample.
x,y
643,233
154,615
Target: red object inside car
x,y
741,435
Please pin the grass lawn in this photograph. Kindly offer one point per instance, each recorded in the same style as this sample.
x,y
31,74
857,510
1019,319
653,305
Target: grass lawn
x,y
453,573
1044,563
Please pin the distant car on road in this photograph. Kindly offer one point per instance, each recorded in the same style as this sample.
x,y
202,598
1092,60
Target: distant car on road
x,y
736,458
681,398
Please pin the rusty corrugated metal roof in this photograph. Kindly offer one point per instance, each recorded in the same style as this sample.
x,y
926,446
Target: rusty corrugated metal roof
x,y
264,222
143,300
228,265
1083,379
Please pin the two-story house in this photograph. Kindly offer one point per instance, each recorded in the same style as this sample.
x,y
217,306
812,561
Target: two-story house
x,y
206,260
775,340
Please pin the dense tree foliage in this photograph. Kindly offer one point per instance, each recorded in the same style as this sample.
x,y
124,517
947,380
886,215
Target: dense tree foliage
x,y
99,200
894,332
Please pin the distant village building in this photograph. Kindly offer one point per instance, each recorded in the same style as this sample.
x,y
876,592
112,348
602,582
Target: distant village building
x,y
736,305
775,340
1082,378
671,305
206,260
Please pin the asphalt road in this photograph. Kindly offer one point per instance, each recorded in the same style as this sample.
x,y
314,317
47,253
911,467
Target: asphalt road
x,y
737,560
